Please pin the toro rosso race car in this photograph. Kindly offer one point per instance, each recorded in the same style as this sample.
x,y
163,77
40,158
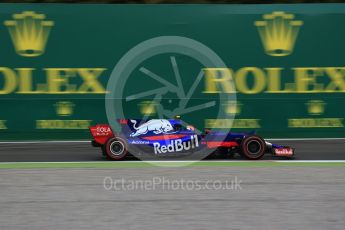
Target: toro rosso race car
x,y
170,137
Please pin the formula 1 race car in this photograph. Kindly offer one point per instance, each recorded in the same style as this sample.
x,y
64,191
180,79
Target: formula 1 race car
x,y
169,137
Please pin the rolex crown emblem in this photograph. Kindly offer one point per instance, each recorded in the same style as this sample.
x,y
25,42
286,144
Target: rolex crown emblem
x,y
278,32
64,108
233,107
316,107
29,33
147,108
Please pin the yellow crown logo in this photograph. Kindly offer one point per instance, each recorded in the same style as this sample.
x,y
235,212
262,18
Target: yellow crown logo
x,y
278,33
29,33
233,107
64,108
147,108
316,107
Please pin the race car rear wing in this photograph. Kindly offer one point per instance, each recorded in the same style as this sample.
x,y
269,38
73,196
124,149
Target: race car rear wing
x,y
101,133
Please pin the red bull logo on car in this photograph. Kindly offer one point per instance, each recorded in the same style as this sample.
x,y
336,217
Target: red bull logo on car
x,y
156,126
176,145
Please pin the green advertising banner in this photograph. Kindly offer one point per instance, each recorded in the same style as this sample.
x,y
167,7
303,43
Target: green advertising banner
x,y
277,69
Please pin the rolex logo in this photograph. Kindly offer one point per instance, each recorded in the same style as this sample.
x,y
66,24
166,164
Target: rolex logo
x,y
316,107
64,108
29,33
233,107
147,108
278,32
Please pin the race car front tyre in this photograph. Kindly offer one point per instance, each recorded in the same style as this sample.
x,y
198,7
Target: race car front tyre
x,y
253,147
115,149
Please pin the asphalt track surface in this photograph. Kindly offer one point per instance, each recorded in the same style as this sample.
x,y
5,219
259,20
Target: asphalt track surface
x,y
83,151
190,197
289,197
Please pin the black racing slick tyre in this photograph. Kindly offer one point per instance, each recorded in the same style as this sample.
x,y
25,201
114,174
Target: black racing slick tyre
x,y
253,147
115,149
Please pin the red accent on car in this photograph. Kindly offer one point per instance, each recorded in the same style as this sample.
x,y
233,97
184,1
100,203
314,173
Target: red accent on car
x,y
216,144
101,133
164,137
283,152
123,121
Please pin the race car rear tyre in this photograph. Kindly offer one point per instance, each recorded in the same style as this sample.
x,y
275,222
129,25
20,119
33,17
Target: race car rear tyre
x,y
253,147
115,149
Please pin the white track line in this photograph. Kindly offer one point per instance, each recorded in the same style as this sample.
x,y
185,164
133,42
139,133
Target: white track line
x,y
304,139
